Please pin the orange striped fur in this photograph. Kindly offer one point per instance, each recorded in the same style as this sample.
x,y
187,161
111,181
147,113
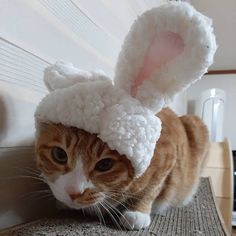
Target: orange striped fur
x,y
170,180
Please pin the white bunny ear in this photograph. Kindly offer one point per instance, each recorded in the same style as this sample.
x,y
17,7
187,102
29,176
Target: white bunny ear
x,y
63,75
166,50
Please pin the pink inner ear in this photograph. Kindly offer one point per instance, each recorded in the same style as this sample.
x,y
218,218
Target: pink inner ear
x,y
164,48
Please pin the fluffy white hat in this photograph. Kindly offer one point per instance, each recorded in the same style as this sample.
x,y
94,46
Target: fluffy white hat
x,y
166,50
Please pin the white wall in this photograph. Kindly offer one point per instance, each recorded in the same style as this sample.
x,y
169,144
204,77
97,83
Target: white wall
x,y
227,83
35,33
223,14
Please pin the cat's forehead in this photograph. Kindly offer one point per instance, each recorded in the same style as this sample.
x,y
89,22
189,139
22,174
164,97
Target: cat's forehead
x,y
72,138
58,132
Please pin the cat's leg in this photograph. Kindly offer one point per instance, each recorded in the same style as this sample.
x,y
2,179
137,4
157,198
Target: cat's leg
x,y
166,198
137,216
160,207
135,219
192,191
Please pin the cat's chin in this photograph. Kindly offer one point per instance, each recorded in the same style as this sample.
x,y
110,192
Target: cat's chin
x,y
70,206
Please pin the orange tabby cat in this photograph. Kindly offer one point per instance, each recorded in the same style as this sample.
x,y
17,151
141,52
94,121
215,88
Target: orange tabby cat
x,y
83,172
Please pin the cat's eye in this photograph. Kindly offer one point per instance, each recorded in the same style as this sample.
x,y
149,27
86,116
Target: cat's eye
x,y
104,165
59,155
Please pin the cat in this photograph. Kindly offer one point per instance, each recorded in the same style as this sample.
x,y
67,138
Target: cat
x,y
82,172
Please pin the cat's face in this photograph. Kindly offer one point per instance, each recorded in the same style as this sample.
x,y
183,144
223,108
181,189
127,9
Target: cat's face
x,y
79,168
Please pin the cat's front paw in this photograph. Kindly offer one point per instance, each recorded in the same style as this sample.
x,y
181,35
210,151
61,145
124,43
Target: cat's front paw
x,y
135,220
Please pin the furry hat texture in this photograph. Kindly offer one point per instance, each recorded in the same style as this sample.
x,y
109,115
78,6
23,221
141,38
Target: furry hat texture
x,y
167,49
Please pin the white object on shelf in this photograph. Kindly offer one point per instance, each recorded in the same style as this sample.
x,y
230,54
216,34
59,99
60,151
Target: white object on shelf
x,y
211,110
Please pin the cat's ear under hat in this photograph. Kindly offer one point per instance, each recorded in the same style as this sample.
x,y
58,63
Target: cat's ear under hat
x,y
64,74
166,50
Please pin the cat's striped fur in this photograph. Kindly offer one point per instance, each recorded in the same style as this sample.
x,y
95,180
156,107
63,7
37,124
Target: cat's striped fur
x,y
170,180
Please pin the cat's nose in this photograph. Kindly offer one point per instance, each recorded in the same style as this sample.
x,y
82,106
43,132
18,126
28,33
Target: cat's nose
x,y
74,195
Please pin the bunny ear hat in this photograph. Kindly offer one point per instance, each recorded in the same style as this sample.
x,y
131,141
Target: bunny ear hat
x,y
167,49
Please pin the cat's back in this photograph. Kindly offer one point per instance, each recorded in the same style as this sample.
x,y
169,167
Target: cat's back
x,y
197,133
185,141
188,130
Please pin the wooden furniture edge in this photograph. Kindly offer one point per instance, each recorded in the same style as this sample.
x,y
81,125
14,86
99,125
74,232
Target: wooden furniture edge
x,y
230,156
217,208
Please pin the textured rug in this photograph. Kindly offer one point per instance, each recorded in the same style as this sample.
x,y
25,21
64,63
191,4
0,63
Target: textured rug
x,y
198,218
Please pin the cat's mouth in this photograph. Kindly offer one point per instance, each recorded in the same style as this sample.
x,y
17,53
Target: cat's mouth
x,y
79,203
84,204
94,200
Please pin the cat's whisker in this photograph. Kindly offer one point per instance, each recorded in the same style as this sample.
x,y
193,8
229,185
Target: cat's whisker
x,y
97,214
40,182
113,208
46,196
89,209
33,168
125,200
110,214
100,216
83,212
122,215
119,202
26,198
35,200
29,171
43,199
22,177
126,194
26,169
118,211
100,213
33,193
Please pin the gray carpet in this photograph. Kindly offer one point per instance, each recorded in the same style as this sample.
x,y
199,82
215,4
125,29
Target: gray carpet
x,y
198,218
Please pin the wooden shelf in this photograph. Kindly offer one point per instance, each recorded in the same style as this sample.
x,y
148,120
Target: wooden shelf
x,y
220,168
